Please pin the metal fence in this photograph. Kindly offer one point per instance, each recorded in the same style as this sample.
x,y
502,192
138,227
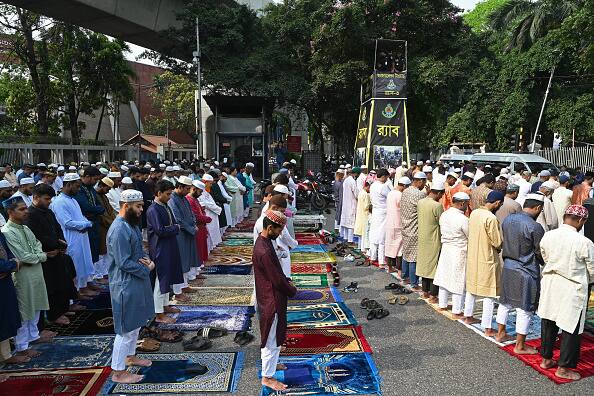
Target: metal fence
x,y
571,157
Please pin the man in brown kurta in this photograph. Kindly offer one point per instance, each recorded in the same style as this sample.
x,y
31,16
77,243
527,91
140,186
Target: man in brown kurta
x,y
272,292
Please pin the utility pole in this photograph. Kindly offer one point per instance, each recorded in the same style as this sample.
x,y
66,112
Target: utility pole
x,y
198,96
544,103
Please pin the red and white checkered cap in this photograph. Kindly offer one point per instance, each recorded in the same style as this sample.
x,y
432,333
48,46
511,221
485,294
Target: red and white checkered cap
x,y
577,210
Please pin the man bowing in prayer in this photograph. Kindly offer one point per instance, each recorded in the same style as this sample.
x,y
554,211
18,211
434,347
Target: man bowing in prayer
x,y
129,286
272,291
569,266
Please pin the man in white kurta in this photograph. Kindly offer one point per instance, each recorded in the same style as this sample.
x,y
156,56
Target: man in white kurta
x,y
548,218
213,211
393,243
450,275
562,197
378,194
362,177
525,186
564,290
349,205
226,206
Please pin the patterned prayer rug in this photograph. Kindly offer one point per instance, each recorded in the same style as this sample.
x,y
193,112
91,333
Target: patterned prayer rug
x,y
228,259
312,258
66,382
305,235
239,235
228,281
328,374
236,296
510,327
228,270
171,373
320,315
327,340
89,322
244,251
309,280
310,268
310,241
585,365
238,242
71,352
193,318
102,301
316,296
310,249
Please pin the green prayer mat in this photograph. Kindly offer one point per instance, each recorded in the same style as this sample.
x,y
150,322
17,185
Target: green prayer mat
x,y
309,280
312,258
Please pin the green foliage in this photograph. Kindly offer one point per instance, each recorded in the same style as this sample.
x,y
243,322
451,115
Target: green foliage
x,y
478,18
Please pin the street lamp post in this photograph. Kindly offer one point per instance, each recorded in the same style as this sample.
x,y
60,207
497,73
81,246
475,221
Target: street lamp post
x,y
198,97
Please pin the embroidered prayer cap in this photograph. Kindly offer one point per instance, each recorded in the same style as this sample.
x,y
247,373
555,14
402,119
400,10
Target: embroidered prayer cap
x,y
162,166
107,181
495,196
131,196
468,175
114,175
12,200
26,180
281,188
127,180
169,168
544,173
4,184
72,168
550,185
512,188
68,177
60,168
427,168
577,210
405,181
147,166
453,174
125,168
207,178
438,185
276,217
461,196
176,168
185,180
249,165
198,184
420,175
535,197
104,171
356,170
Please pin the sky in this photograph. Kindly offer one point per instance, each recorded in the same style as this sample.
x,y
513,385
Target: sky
x,y
467,5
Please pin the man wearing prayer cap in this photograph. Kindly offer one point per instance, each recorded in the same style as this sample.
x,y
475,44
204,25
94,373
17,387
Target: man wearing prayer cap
x,y
393,249
569,267
483,266
249,185
543,176
272,292
5,193
102,188
562,197
349,205
548,216
25,190
202,220
510,205
129,286
361,178
212,210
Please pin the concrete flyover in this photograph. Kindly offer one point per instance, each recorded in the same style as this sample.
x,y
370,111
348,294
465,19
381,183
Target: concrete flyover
x,y
136,21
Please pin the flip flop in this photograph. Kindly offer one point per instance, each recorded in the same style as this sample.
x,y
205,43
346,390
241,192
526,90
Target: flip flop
x,y
146,345
381,313
364,303
371,315
392,286
243,338
212,332
198,344
392,300
402,300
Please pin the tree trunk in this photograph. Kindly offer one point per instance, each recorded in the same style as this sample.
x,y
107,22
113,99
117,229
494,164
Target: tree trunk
x,y
71,109
100,120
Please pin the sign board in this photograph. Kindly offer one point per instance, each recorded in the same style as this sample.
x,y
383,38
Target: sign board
x,y
294,144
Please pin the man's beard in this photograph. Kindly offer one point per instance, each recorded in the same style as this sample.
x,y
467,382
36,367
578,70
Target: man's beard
x,y
131,217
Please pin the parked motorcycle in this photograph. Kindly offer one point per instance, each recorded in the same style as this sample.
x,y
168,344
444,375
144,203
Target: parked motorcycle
x,y
310,192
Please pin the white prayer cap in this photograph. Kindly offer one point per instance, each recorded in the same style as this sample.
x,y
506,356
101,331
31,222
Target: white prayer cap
x,y
225,174
166,162
487,166
419,163
104,171
198,184
427,162
126,180
453,174
60,168
535,197
427,169
131,196
544,173
162,166
185,180
347,166
125,168
461,196
136,162
363,166
211,167
341,167
97,163
281,188
504,171
468,175
438,185
41,165
293,161
419,175
457,170
176,168
225,160
249,165
72,168
216,163
504,176
169,169
404,181
207,177
147,166
26,180
114,175
125,162
68,177
4,184
548,184
152,169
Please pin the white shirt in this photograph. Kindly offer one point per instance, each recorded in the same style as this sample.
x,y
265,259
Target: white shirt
x,y
561,201
378,194
113,195
524,190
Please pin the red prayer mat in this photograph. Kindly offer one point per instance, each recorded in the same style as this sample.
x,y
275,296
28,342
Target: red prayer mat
x,y
301,341
310,241
585,365
64,382
310,268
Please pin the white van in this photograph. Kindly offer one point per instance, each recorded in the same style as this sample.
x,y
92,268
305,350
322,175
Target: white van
x,y
515,162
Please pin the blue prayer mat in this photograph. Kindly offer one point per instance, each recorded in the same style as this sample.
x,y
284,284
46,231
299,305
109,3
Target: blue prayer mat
x,y
195,317
170,373
320,315
71,352
228,269
510,327
316,296
310,249
328,374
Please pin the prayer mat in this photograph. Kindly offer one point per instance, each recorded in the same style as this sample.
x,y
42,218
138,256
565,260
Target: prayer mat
x,y
310,249
228,281
308,219
244,251
102,301
304,235
585,365
71,352
310,268
66,382
448,313
238,242
228,259
170,373
316,296
193,318
309,280
227,270
235,296
327,340
88,322
320,315
239,235
310,241
510,327
312,258
328,374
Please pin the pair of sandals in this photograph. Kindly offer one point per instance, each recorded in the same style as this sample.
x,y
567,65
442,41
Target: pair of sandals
x,y
398,289
353,287
197,343
211,332
376,311
400,300
148,345
243,338
170,336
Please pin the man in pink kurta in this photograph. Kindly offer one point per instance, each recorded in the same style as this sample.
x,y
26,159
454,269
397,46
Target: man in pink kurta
x,y
201,220
393,249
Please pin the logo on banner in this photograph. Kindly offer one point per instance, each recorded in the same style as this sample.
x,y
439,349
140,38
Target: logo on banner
x,y
391,85
389,111
364,115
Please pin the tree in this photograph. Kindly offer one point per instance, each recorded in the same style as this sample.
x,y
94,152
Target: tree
x,y
479,18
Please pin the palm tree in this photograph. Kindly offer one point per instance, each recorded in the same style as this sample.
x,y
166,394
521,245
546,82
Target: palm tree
x,y
530,20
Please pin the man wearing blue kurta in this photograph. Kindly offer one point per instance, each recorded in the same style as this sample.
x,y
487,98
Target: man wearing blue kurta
x,y
186,241
129,286
75,227
90,206
243,181
520,278
249,184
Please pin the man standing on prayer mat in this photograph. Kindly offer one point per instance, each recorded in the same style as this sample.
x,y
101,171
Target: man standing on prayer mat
x,y
282,249
162,231
202,221
394,226
272,291
378,194
520,278
483,265
212,210
349,205
569,266
103,186
129,286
